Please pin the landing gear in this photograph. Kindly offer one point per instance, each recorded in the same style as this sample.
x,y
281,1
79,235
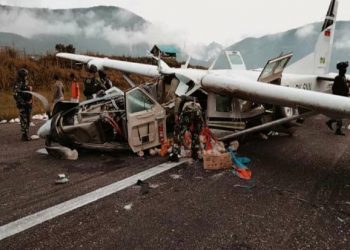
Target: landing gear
x,y
287,111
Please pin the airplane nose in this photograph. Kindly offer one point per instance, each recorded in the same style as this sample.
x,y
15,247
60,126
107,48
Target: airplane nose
x,y
44,130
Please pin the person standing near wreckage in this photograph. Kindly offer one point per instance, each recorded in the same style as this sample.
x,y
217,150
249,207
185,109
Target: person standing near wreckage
x,y
106,83
58,94
92,84
188,118
340,87
75,90
24,101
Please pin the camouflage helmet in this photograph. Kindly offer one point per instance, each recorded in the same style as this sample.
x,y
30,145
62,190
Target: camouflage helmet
x,y
93,69
342,65
22,73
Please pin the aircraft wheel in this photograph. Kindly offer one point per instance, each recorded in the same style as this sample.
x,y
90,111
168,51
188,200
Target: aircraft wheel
x,y
288,111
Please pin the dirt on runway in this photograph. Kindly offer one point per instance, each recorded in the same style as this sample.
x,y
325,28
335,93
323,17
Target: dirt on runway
x,y
299,197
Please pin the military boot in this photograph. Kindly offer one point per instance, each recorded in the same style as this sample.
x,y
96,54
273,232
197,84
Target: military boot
x,y
330,124
25,137
339,132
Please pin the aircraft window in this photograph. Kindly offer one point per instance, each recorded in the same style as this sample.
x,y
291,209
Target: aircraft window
x,y
137,101
235,59
223,103
281,65
268,70
222,62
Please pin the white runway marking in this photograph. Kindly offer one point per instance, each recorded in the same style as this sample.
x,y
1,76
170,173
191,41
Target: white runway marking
x,y
32,220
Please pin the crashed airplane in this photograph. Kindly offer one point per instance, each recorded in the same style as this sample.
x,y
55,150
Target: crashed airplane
x,y
117,120
234,99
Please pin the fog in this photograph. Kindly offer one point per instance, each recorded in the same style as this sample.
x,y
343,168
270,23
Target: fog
x,y
30,23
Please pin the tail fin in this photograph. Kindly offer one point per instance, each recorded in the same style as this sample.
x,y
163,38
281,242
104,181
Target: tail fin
x,y
318,62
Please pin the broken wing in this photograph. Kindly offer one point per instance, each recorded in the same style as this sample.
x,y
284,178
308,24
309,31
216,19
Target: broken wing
x,y
100,63
331,105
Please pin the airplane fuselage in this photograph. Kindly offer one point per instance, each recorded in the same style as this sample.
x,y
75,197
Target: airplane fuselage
x,y
307,82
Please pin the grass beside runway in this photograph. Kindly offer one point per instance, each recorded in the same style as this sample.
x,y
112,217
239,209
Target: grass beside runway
x,y
8,109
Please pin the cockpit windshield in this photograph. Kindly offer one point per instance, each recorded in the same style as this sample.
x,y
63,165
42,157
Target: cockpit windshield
x,y
228,60
235,59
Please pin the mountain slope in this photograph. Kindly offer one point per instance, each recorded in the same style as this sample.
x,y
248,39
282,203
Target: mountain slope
x,y
116,31
301,41
104,29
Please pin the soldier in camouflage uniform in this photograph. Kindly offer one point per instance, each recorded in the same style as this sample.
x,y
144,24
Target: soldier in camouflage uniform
x,y
189,117
339,87
24,102
93,84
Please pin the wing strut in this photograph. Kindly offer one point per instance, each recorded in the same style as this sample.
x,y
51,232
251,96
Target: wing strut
x,y
265,126
131,83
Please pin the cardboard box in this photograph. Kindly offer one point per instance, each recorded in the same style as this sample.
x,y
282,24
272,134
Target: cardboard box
x,y
215,162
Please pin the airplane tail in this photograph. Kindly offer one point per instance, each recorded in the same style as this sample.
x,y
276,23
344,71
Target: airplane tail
x,y
318,61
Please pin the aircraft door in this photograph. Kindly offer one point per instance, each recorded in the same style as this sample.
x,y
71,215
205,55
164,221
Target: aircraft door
x,y
274,68
146,120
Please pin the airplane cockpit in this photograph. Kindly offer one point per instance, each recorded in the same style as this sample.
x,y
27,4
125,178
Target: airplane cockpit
x,y
228,60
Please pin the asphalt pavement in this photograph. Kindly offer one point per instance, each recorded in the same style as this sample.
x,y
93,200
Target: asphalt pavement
x,y
299,197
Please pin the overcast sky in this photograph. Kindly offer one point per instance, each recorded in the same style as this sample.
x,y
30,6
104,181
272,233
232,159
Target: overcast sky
x,y
224,21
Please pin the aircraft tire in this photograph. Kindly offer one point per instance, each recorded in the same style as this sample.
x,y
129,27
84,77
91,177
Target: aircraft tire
x,y
287,111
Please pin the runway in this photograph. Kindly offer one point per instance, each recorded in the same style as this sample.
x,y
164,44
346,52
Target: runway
x,y
299,197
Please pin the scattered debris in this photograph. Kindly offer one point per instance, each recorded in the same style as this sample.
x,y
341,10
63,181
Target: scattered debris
x,y
343,203
152,152
184,153
38,117
214,153
217,176
63,152
199,177
34,137
17,120
32,124
164,148
62,179
302,200
128,206
256,216
263,136
175,176
341,220
12,121
191,162
272,133
216,161
239,163
3,121
153,186
141,153
173,157
42,151
144,186
245,186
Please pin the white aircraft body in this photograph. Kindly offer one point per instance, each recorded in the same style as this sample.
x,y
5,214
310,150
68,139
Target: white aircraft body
x,y
234,96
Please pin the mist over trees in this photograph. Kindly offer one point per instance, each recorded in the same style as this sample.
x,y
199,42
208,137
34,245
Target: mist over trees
x,y
65,48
